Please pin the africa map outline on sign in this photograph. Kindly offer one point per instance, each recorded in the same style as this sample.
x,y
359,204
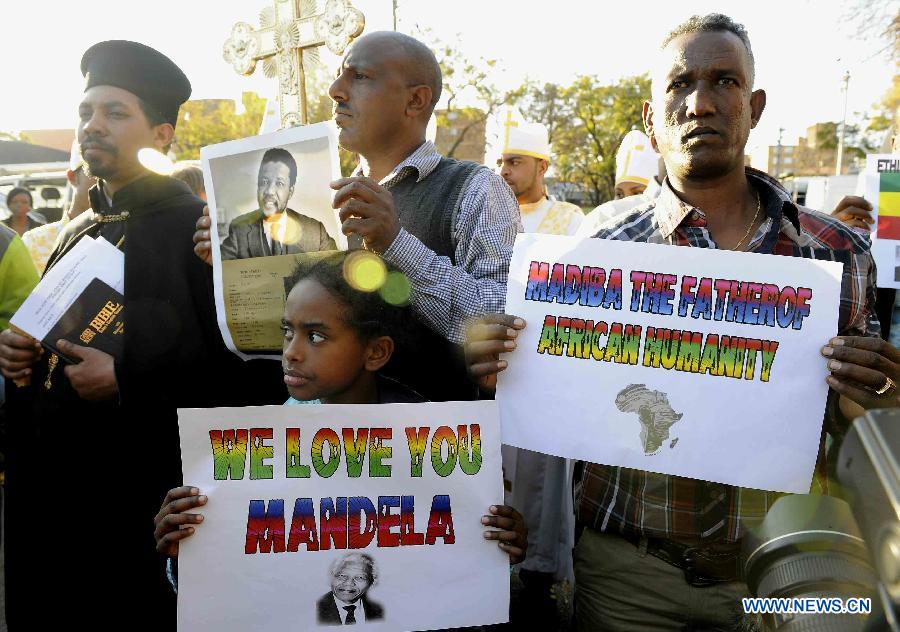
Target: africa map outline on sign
x,y
654,413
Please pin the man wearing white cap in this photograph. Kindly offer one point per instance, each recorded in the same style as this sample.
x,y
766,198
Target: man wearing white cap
x,y
41,241
539,483
638,176
636,164
525,160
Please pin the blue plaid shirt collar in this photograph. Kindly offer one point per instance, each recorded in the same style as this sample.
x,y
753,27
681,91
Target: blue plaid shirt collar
x,y
421,162
671,211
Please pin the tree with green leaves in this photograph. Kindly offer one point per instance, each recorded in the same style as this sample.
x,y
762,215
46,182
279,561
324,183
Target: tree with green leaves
x,y
207,122
885,116
470,96
855,143
876,20
879,21
590,120
544,104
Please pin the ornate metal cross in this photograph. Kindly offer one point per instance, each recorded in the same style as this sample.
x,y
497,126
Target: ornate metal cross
x,y
287,29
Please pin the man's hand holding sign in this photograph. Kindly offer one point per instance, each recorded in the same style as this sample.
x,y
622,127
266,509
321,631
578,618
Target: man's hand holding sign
x,y
486,339
865,371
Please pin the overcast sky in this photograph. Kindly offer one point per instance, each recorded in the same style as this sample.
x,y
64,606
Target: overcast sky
x,y
802,48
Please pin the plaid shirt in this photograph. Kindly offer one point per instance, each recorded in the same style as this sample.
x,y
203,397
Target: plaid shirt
x,y
483,235
635,502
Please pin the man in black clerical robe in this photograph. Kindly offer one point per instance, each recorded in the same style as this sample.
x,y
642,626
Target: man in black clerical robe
x,y
94,446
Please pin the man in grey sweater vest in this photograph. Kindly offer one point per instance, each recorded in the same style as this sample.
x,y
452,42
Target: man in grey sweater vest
x,y
448,225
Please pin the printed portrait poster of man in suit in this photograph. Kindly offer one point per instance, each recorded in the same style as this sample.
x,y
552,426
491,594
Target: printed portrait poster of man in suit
x,y
273,228
258,235
347,602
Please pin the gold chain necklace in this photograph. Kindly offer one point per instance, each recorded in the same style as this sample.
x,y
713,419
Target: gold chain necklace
x,y
106,219
738,245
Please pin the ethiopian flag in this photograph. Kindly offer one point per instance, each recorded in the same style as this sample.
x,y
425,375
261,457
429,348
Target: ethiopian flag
x,y
889,205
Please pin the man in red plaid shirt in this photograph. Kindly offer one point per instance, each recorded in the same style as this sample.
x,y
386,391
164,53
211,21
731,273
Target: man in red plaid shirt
x,y
660,552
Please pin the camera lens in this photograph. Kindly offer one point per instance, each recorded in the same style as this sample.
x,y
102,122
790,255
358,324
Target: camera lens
x,y
809,547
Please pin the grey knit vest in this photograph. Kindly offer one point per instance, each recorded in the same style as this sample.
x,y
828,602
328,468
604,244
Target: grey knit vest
x,y
427,209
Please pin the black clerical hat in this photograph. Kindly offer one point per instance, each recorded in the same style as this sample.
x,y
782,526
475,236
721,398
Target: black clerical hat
x,y
141,70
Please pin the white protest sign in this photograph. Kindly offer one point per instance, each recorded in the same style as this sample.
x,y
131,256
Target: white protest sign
x,y
687,361
294,489
883,193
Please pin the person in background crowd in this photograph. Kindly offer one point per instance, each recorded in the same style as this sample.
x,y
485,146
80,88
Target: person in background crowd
x,y
17,278
20,204
191,175
523,164
540,484
41,241
640,171
636,163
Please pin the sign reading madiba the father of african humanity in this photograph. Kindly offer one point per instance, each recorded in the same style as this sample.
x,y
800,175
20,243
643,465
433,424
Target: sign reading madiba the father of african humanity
x,y
326,515
688,361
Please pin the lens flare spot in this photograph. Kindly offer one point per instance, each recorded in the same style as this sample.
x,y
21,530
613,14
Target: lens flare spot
x,y
365,271
284,229
396,289
156,161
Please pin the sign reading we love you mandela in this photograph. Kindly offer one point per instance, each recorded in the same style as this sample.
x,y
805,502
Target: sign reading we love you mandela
x,y
688,361
320,516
